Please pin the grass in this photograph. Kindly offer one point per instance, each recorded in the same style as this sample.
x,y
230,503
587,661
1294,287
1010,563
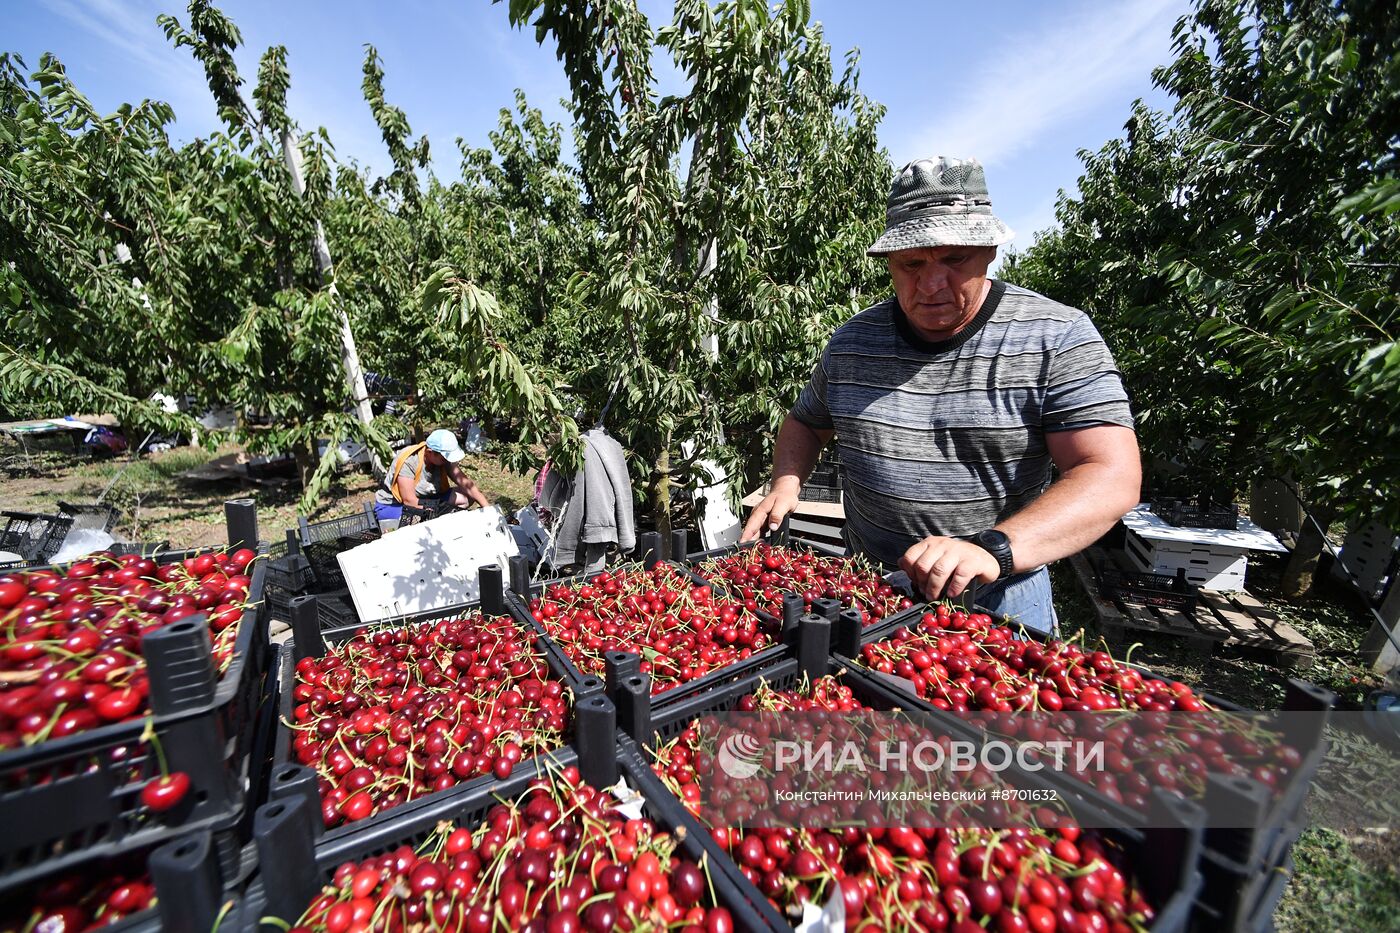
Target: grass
x,y
1332,889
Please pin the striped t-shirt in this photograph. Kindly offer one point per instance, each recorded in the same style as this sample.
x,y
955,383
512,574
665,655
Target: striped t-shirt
x,y
949,438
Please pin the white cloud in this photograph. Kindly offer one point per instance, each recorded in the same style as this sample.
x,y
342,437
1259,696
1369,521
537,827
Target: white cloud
x,y
137,38
1030,84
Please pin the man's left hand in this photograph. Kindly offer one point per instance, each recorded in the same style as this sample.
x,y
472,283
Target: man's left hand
x,y
942,567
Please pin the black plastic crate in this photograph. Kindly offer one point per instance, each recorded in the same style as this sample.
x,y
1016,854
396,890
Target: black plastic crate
x,y
156,550
416,515
810,493
1261,918
1309,697
782,538
336,612
643,724
34,537
1242,851
191,890
585,722
518,604
1204,513
1172,888
151,549
90,515
1172,874
828,475
291,574
323,542
1150,589
643,720
295,868
1240,899
77,797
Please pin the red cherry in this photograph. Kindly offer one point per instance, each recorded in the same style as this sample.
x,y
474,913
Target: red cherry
x,y
165,792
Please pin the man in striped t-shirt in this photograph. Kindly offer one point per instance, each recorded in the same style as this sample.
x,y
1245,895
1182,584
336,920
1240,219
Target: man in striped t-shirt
x,y
949,403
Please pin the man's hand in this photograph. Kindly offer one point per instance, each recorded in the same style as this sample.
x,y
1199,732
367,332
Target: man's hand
x,y
940,567
769,513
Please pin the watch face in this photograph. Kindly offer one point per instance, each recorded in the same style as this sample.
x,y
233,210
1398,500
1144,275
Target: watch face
x,y
994,539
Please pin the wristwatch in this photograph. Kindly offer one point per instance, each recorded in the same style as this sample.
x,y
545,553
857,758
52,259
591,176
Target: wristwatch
x,y
998,545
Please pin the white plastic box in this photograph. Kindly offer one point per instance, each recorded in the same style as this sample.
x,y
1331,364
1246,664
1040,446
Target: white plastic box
x,y
1370,554
430,565
1209,566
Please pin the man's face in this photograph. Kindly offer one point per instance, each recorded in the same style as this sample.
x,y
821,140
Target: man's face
x,y
940,287
434,459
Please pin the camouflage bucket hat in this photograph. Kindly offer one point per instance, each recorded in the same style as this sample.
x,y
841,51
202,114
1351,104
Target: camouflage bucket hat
x,y
940,202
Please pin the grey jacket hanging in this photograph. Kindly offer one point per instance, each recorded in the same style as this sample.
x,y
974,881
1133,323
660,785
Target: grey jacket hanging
x,y
599,509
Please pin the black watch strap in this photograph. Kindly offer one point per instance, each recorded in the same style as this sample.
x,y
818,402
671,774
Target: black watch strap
x,y
998,545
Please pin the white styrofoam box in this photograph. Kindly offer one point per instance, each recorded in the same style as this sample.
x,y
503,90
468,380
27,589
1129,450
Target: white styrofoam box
x,y
1369,553
1210,567
426,566
1246,537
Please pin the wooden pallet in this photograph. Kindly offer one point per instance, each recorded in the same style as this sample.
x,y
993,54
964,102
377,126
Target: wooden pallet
x,y
1236,621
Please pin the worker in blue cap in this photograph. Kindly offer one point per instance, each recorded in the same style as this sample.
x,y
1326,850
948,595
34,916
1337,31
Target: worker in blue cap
x,y
427,474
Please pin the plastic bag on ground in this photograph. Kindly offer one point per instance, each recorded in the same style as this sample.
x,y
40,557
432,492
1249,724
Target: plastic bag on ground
x,y
82,542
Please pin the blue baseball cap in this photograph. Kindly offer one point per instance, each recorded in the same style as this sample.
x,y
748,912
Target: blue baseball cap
x,y
444,442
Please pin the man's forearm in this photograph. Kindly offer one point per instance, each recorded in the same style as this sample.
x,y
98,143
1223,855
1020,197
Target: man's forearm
x,y
1072,514
795,452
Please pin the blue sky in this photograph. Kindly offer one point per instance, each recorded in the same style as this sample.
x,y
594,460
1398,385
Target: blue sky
x,y
1023,86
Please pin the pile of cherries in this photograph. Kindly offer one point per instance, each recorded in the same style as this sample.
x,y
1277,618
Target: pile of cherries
x,y
761,574
964,662
71,656
86,899
681,762
681,630
394,714
1016,880
560,858
917,877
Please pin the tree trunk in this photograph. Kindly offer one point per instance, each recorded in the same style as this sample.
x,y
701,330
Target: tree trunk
x,y
305,455
1298,575
349,355
661,499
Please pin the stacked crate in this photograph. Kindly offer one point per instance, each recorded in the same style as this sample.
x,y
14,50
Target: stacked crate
x,y
72,809
307,563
